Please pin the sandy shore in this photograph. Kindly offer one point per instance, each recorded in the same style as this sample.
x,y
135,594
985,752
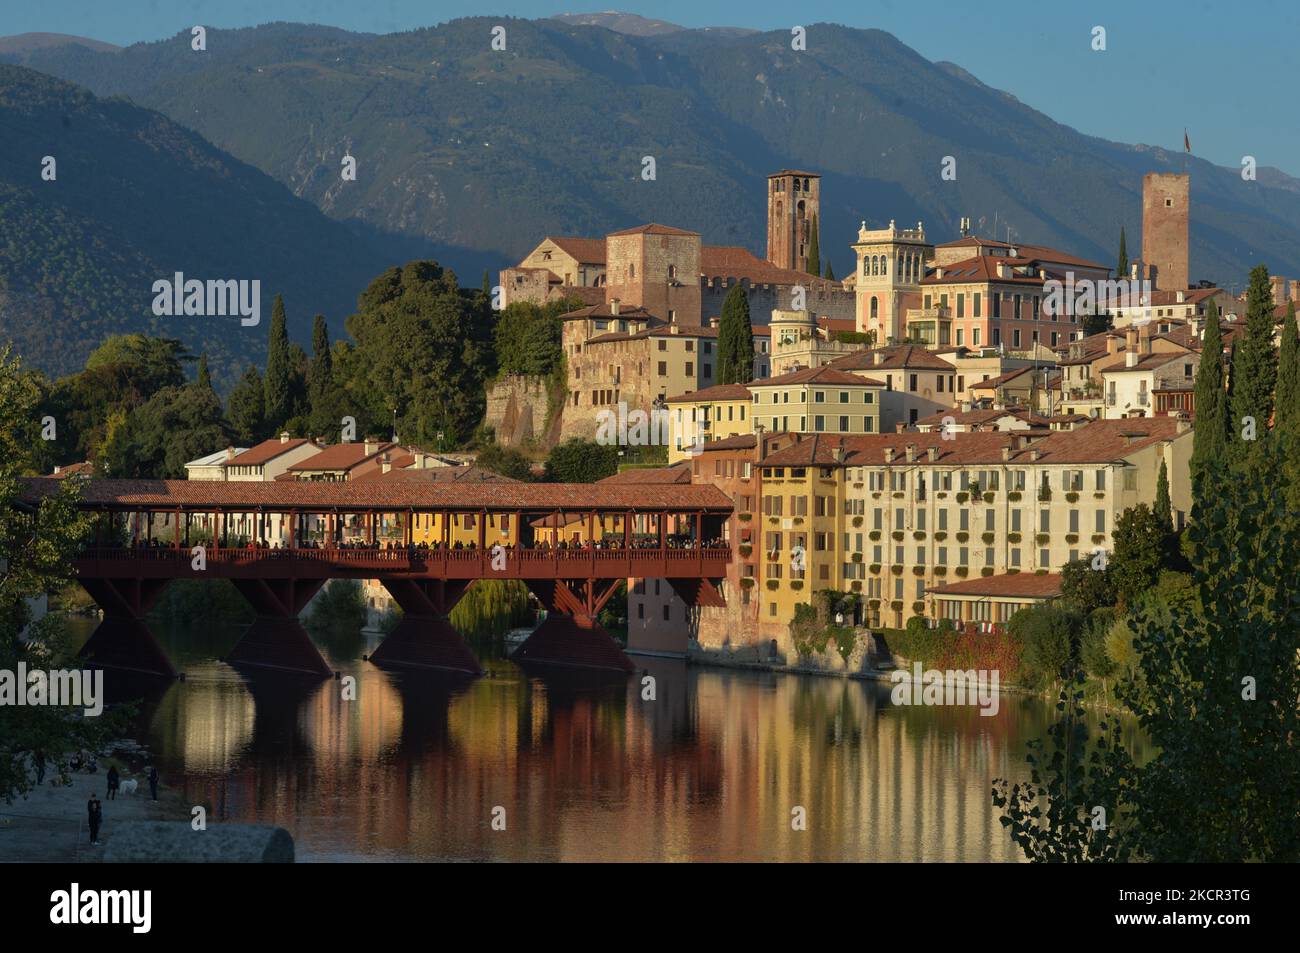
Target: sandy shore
x,y
49,825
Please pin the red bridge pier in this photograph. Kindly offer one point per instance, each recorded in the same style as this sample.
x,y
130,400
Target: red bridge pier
x,y
123,640
276,639
425,637
570,634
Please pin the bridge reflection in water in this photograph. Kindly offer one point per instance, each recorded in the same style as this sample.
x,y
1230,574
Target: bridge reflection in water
x,y
571,545
586,768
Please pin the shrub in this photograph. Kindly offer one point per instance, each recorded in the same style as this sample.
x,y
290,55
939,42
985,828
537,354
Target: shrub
x,y
918,534
963,496
1047,634
987,537
874,568
874,535
796,584
918,607
1014,496
897,535
896,570
1072,497
941,536
963,536
857,557
962,571
918,570
988,497
772,585
1013,537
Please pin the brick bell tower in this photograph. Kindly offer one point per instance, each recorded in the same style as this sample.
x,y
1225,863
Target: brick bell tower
x,y
1165,207
793,198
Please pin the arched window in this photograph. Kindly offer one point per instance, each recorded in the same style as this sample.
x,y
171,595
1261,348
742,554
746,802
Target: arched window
x,y
884,264
875,264
901,269
866,266
875,308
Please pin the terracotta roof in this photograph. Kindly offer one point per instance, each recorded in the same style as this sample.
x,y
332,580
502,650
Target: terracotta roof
x,y
1024,585
1024,253
741,441
806,175
1001,378
1102,441
892,358
732,261
824,374
84,468
602,311
587,251
640,476
981,415
1148,362
868,450
437,475
652,228
716,392
266,451
397,495
340,456
658,331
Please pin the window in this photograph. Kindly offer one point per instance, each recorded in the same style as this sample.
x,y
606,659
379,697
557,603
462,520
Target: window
x,y
663,368
1101,521
1044,521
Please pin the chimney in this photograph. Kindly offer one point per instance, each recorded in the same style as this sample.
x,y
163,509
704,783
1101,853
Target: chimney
x,y
371,446
889,454
1181,297
1131,357
385,462
613,307
1033,455
932,453
1184,422
837,454
713,322
1135,271
230,453
878,357
58,470
900,427
1006,454
938,272
284,436
1003,270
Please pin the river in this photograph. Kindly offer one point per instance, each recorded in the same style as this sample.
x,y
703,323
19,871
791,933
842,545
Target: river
x,y
577,766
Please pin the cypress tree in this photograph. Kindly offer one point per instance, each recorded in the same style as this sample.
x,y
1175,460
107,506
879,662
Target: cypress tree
x,y
205,377
814,249
735,339
1286,419
1121,267
277,387
1254,361
1164,508
830,272
1209,437
320,379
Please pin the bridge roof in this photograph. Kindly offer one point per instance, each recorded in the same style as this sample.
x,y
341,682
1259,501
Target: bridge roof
x,y
205,495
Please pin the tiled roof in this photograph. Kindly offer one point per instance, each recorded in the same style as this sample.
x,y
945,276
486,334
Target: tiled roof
x,y
716,392
806,175
1024,585
658,331
1148,362
437,475
741,441
588,251
981,415
213,459
1001,378
640,476
824,374
266,451
84,468
603,311
862,450
1102,441
732,261
396,494
341,456
1024,253
652,228
904,356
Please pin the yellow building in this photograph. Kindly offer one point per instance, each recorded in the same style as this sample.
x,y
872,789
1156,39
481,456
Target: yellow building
x,y
818,400
702,416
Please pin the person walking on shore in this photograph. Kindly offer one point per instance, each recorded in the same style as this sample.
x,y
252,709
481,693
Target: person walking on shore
x,y
153,782
113,782
94,817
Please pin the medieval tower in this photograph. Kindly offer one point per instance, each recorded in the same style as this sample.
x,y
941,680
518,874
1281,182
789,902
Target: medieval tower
x,y
1164,228
891,263
793,198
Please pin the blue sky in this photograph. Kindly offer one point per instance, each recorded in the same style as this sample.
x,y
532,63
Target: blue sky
x,y
1225,70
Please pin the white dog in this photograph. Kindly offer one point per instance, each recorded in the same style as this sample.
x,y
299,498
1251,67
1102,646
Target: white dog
x,y
128,787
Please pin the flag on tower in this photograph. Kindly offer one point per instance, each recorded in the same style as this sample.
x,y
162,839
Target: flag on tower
x,y
1187,143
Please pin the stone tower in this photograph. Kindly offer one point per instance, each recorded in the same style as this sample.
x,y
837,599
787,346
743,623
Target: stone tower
x,y
793,198
1164,228
656,267
891,264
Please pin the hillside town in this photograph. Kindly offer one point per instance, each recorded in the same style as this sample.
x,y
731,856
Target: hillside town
x,y
935,435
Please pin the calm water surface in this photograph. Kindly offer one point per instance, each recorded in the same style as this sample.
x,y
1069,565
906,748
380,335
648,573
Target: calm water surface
x,y
584,768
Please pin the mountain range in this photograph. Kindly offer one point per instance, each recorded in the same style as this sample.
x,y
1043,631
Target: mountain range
x,y
471,154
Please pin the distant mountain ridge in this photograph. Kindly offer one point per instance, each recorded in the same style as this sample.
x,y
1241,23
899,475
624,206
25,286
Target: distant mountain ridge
x,y
483,152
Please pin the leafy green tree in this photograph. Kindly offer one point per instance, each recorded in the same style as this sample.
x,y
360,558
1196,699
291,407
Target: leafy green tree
x,y
1134,565
1254,362
814,248
1163,509
244,409
527,337
581,461
1210,436
421,351
205,377
735,340
1222,675
176,425
1047,633
277,384
1286,419
506,461
1076,807
37,543
1121,266
1085,588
